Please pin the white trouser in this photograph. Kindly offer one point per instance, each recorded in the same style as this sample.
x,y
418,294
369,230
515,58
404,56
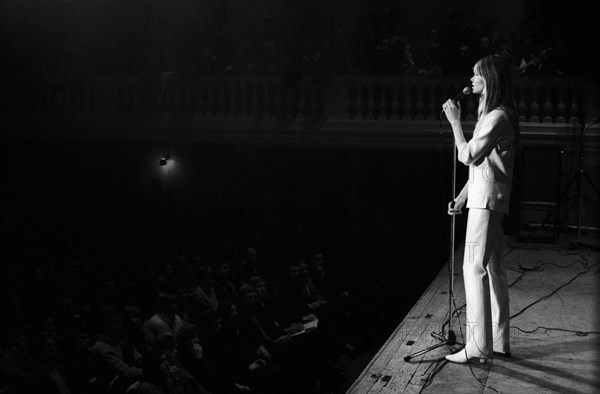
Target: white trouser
x,y
486,287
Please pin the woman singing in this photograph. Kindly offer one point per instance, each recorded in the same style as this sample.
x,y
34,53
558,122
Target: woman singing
x,y
490,156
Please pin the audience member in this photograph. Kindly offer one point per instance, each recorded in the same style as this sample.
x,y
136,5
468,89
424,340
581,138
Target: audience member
x,y
484,47
51,378
167,278
264,309
204,297
225,288
119,362
163,374
79,363
133,327
162,333
537,62
248,263
162,328
257,329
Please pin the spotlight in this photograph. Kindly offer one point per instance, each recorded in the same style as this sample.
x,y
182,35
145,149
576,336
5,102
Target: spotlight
x,y
163,160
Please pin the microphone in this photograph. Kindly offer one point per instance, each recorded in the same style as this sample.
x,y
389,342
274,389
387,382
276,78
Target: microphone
x,y
466,91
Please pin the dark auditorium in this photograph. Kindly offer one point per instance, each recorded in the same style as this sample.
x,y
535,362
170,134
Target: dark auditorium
x,y
299,197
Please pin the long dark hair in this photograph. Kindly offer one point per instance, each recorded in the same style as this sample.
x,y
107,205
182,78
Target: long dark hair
x,y
495,71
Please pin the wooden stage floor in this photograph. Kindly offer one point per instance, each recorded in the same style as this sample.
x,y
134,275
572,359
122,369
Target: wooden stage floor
x,y
555,330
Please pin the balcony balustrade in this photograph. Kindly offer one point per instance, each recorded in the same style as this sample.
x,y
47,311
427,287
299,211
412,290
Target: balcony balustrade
x,y
393,106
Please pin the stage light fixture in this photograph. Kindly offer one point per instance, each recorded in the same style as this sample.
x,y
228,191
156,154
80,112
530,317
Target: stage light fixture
x,y
164,160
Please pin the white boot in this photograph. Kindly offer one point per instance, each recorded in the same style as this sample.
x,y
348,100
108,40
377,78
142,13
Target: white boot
x,y
461,357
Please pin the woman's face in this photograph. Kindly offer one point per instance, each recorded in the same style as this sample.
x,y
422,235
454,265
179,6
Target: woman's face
x,y
477,82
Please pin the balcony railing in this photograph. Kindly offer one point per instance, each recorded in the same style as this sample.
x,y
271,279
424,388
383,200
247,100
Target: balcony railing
x,y
254,102
548,100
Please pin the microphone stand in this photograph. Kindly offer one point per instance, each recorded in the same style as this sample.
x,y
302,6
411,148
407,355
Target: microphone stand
x,y
580,176
450,339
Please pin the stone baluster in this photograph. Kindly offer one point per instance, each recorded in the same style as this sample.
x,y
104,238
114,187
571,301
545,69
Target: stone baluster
x,y
285,100
548,108
568,100
438,99
202,98
405,93
521,105
334,99
215,95
429,101
535,106
249,95
574,110
238,96
560,108
298,101
272,102
388,102
376,94
396,103
366,104
260,99
419,104
303,102
227,93
351,103
295,93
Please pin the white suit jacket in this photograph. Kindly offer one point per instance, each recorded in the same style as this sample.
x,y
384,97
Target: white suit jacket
x,y
490,156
